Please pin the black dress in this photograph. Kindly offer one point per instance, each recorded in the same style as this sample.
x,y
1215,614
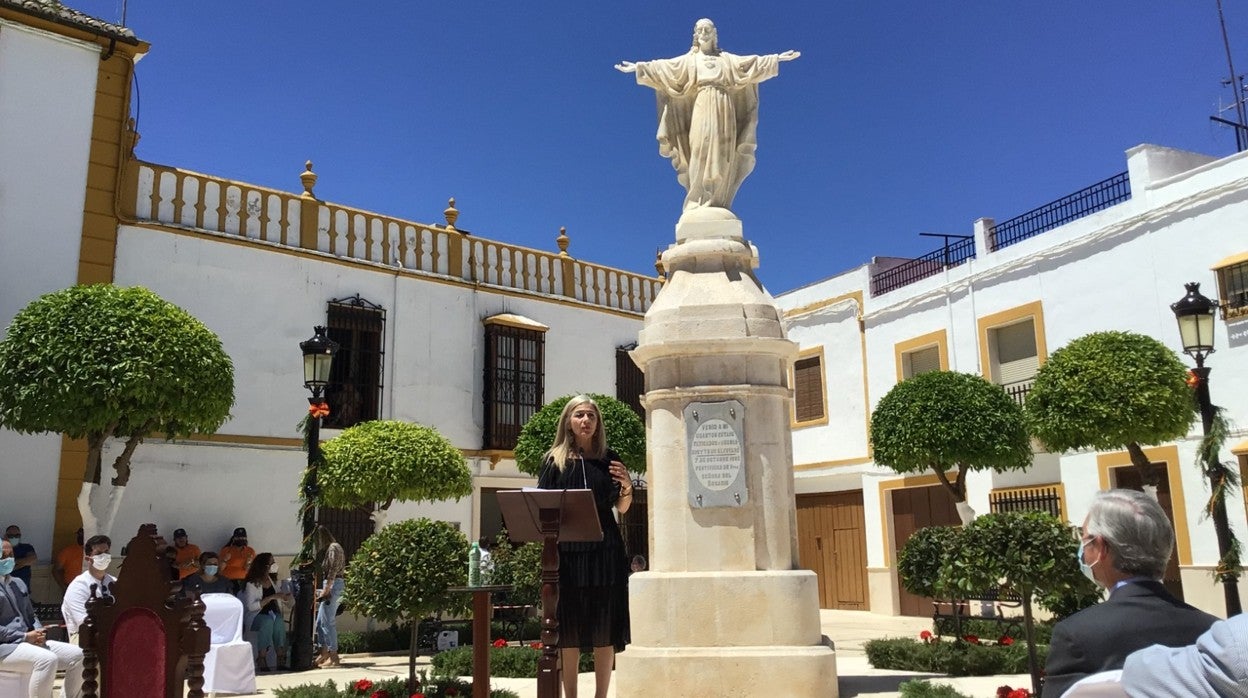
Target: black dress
x,y
593,577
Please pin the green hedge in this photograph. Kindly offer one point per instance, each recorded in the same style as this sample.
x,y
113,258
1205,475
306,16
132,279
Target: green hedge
x,y
436,687
397,637
923,689
508,662
955,658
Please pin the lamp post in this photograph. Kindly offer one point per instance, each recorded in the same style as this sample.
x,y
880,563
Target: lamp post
x,y
1195,314
318,358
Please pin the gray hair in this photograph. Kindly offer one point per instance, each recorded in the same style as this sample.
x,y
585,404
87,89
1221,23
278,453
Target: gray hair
x,y
1136,529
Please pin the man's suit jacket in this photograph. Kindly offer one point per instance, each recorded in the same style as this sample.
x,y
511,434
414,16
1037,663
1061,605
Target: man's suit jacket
x,y
1215,667
1100,637
17,615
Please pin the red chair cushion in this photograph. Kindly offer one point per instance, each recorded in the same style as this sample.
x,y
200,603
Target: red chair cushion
x,y
136,656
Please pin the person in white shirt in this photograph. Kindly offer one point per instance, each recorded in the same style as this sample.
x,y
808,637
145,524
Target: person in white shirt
x,y
24,646
95,566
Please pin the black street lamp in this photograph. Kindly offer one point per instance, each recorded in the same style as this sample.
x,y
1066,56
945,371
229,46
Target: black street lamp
x,y
318,358
1195,314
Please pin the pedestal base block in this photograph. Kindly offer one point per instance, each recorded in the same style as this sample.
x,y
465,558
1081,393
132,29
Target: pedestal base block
x,y
726,672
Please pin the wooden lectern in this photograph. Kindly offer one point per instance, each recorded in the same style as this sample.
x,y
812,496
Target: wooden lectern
x,y
550,516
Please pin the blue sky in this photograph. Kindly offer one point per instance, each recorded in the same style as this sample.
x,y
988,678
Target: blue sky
x,y
899,118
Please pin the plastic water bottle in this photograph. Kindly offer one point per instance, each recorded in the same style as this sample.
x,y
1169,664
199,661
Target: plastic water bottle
x,y
474,565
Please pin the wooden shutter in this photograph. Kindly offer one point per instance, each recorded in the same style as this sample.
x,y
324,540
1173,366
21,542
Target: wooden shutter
x,y
1016,353
923,361
808,389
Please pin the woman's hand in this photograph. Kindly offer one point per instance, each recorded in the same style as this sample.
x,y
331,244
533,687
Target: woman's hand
x,y
619,473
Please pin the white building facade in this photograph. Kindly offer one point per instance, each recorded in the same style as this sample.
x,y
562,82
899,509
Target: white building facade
x,y
1111,257
462,333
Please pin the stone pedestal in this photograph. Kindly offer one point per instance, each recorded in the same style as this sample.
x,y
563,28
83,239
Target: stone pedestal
x,y
724,610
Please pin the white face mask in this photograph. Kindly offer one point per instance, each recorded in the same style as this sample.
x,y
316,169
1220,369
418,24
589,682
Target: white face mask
x,y
101,561
273,568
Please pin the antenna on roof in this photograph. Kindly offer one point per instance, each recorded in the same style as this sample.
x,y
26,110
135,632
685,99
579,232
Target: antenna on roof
x,y
1236,82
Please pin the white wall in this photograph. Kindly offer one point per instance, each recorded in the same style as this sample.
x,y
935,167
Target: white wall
x,y
45,136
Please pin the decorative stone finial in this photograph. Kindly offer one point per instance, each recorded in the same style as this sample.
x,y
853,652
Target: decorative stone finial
x,y
451,213
562,241
658,264
132,136
309,180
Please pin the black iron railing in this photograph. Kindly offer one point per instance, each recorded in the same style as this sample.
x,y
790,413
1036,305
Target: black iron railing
x,y
1018,391
922,267
1084,202
1042,498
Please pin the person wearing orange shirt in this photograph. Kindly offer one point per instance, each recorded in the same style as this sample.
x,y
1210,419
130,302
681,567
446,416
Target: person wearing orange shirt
x,y
68,562
236,557
186,555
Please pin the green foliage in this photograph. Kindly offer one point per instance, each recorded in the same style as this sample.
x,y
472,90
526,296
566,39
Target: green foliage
x,y
923,689
520,567
509,662
387,460
1027,550
1106,390
100,360
921,561
430,687
1067,601
987,628
1224,478
626,434
401,573
955,658
944,419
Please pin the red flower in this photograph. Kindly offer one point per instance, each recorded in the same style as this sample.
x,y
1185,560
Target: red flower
x,y
1003,691
973,639
1193,380
363,686
418,695
379,694
537,645
1005,640
1020,693
500,642
925,635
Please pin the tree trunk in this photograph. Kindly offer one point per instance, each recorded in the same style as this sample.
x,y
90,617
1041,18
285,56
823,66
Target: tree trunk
x,y
958,489
411,656
379,516
1148,474
90,526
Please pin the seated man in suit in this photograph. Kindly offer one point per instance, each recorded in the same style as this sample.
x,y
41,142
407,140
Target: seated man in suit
x,y
1215,667
23,646
1125,546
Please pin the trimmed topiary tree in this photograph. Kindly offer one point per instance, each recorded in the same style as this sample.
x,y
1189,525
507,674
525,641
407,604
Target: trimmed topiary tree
x,y
379,462
101,361
401,574
626,435
1111,391
944,420
921,562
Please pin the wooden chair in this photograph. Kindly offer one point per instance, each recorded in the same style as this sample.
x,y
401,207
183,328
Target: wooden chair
x,y
139,640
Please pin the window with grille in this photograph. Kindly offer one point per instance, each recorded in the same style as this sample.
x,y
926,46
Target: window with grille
x,y
630,382
808,389
355,378
920,361
514,381
1233,289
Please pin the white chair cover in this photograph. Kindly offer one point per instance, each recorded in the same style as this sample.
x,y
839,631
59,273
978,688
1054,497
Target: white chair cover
x,y
229,666
1106,684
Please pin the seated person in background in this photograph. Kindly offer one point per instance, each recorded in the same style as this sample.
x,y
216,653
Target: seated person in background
x,y
23,553
68,562
95,562
23,646
1215,667
207,581
1125,546
186,555
261,598
236,558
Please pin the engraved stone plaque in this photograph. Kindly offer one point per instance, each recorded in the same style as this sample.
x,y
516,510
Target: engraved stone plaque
x,y
716,454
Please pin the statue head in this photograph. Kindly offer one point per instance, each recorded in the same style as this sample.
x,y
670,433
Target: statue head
x,y
705,37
